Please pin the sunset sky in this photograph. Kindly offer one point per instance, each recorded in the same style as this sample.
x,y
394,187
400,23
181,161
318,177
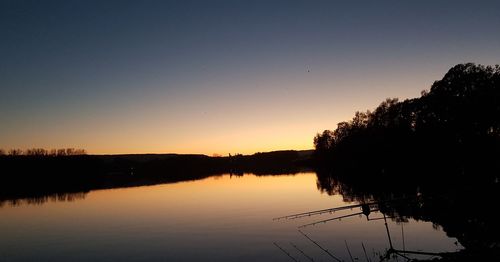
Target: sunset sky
x,y
220,76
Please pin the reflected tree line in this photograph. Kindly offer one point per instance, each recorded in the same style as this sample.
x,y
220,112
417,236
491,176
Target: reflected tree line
x,y
41,199
467,212
37,175
440,152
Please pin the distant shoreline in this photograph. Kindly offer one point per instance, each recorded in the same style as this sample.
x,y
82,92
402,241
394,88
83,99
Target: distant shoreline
x,y
32,176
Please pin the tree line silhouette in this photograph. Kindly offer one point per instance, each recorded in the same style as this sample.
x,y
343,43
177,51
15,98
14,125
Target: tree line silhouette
x,y
43,152
451,130
36,174
441,149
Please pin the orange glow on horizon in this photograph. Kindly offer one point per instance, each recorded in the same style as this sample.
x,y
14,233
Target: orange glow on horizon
x,y
279,121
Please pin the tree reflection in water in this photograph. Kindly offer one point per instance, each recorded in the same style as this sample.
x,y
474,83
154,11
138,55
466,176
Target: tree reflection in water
x,y
38,200
465,211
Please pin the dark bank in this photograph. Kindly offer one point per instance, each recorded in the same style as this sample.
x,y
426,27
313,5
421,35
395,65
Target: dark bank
x,y
39,175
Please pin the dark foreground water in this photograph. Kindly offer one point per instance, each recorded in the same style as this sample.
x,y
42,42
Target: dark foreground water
x,y
223,218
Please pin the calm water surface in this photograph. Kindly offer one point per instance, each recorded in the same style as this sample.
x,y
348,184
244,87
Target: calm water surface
x,y
223,218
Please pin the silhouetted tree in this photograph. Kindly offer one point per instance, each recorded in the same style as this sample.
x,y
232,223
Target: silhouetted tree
x,y
456,122
44,152
36,152
61,152
15,152
323,142
79,152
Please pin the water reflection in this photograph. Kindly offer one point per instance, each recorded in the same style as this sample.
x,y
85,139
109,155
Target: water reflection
x,y
463,210
372,211
222,218
42,199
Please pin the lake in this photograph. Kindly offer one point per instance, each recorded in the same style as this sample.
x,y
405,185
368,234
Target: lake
x,y
220,218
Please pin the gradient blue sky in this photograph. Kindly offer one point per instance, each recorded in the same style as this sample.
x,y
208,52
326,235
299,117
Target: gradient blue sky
x,y
220,76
